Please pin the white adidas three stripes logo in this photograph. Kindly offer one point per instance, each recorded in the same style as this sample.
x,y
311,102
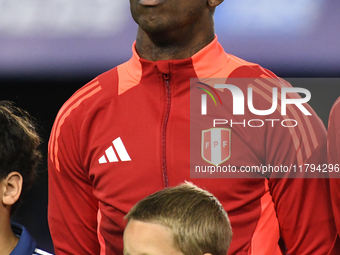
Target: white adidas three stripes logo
x,y
110,154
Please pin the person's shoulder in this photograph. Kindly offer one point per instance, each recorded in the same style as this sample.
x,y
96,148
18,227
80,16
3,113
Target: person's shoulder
x,y
26,244
102,86
247,74
334,120
245,69
100,89
90,98
336,107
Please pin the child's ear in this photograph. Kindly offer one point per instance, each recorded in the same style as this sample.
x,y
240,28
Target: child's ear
x,y
214,3
12,186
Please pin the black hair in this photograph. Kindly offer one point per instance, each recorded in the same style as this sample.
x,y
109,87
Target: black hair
x,y
19,144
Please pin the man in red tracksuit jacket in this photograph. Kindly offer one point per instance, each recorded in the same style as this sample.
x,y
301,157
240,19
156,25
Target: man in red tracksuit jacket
x,y
126,134
333,141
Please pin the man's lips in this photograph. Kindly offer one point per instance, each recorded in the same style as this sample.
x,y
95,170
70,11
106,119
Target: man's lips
x,y
150,2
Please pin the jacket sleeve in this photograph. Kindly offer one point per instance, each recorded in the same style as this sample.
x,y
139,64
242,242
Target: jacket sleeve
x,y
72,208
302,197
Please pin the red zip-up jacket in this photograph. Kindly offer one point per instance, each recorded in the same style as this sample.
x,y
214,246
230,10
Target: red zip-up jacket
x,y
333,137
126,135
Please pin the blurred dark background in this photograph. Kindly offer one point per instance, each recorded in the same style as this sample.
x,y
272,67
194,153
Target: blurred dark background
x,y
49,49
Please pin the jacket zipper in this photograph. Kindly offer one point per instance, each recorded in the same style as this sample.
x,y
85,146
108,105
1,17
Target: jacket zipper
x,y
166,78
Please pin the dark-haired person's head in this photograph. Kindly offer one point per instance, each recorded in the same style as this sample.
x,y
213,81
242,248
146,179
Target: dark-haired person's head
x,y
183,220
19,157
19,154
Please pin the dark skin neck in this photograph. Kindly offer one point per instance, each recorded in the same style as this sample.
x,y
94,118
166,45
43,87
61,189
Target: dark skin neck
x,y
177,44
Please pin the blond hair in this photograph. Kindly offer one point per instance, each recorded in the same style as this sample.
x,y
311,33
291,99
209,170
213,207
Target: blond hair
x,y
197,220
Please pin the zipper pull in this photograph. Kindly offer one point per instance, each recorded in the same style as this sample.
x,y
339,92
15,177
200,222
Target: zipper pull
x,y
166,76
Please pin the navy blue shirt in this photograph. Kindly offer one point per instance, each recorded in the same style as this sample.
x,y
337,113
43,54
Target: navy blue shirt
x,y
26,244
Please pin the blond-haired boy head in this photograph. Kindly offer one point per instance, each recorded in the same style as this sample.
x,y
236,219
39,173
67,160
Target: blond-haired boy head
x,y
175,221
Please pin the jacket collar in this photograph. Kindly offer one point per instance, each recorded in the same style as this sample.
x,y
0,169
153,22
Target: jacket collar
x,y
201,61
26,244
